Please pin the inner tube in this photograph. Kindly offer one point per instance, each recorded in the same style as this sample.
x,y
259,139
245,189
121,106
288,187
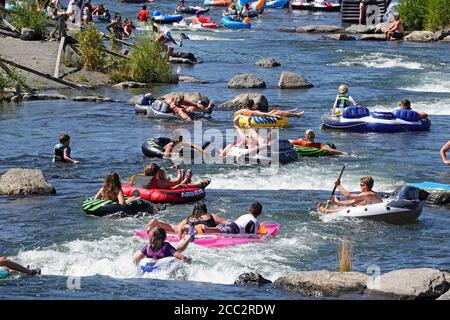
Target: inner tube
x,y
3,272
228,22
154,147
101,208
169,18
277,4
383,115
192,10
438,193
147,265
217,3
285,154
263,122
183,195
313,152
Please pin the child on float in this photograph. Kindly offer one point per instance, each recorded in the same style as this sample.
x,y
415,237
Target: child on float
x,y
158,248
112,190
343,100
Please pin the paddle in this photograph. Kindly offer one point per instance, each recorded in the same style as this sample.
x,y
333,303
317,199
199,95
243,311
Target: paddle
x,y
334,189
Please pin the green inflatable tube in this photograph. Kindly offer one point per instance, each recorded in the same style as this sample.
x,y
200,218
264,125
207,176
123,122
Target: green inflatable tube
x,y
312,152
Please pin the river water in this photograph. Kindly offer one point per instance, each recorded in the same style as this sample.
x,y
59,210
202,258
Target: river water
x,y
51,232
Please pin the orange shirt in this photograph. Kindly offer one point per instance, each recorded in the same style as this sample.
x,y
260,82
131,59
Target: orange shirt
x,y
303,143
143,16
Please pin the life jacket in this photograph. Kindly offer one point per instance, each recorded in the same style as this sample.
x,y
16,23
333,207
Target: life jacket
x,y
342,101
58,152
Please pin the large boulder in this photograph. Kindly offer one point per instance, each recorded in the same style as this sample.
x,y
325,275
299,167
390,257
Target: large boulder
x,y
373,37
268,63
252,279
93,99
246,80
421,36
422,283
359,28
382,27
254,101
338,36
442,34
19,181
191,96
136,99
29,35
324,283
445,296
44,96
446,39
291,80
319,28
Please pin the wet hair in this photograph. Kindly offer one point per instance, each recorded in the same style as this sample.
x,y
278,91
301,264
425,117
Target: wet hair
x,y
406,103
151,169
111,186
368,181
63,138
310,135
144,7
158,237
256,209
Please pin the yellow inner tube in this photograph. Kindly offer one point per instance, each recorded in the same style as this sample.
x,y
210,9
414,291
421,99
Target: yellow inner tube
x,y
262,122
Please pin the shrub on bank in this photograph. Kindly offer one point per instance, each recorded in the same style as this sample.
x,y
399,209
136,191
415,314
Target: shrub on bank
x,y
145,64
425,14
14,81
26,15
91,44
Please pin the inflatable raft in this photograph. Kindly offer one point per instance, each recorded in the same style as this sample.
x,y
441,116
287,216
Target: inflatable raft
x,y
217,3
3,272
406,209
285,154
192,10
154,148
228,22
262,122
438,193
147,265
359,119
277,4
168,18
222,240
101,208
314,6
313,152
151,113
138,187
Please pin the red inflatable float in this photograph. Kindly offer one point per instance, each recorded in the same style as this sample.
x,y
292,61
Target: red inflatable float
x,y
182,195
207,22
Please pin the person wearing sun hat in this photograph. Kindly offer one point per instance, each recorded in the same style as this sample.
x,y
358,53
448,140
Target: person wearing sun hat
x,y
406,105
396,31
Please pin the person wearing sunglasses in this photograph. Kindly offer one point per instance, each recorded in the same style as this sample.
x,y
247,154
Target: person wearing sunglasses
x,y
365,197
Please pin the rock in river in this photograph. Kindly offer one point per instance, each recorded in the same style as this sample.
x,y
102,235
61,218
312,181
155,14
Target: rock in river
x,y
268,63
253,100
246,80
20,181
291,80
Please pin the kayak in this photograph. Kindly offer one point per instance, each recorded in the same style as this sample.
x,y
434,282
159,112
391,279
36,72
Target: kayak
x,y
314,6
147,265
228,22
222,240
359,119
390,211
262,122
3,272
101,208
313,152
277,4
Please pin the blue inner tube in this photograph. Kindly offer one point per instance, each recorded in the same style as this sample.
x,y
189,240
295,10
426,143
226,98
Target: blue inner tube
x,y
383,115
168,18
230,23
277,4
